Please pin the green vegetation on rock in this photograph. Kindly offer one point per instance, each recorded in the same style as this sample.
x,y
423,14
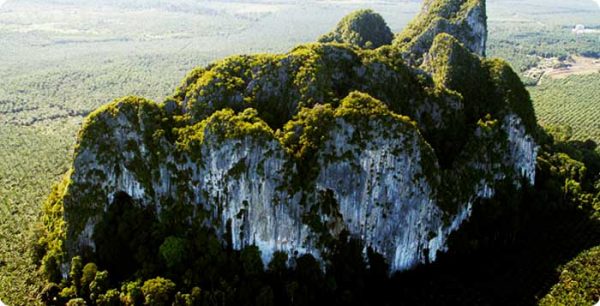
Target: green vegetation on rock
x,y
464,19
223,125
303,95
455,108
43,97
579,281
362,28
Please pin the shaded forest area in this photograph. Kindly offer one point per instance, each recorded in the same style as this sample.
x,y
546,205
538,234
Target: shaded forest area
x,y
509,252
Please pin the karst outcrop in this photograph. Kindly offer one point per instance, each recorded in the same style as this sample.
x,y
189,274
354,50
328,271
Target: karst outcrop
x,y
391,142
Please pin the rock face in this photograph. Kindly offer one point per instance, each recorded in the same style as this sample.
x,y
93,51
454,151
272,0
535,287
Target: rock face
x,y
465,20
287,152
385,197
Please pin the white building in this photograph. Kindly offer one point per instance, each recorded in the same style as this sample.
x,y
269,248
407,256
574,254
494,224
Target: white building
x,y
579,29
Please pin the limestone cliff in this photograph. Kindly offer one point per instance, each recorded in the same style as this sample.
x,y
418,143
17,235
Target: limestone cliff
x,y
466,20
286,152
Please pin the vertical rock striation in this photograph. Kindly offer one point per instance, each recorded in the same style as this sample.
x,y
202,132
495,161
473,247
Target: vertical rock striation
x,y
466,20
287,152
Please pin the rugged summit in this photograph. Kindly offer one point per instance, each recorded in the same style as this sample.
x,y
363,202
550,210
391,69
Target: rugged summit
x,y
466,20
288,152
362,28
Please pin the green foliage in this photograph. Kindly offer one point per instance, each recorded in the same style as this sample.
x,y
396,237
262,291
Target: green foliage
x,y
251,262
68,293
265,297
99,285
76,302
278,86
579,281
131,293
278,263
487,86
87,277
453,65
44,97
158,291
50,294
223,125
438,16
173,251
189,299
362,28
304,135
56,74
52,236
110,298
510,90
76,273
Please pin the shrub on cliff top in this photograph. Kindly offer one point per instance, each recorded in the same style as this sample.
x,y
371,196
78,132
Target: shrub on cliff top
x,y
362,28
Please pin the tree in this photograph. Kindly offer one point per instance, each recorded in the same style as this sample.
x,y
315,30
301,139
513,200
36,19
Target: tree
x,y
67,293
88,275
158,291
251,261
188,299
76,302
310,281
131,293
362,28
110,298
173,251
99,285
278,264
76,273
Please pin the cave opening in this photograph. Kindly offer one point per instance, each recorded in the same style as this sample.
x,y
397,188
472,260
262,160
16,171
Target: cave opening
x,y
125,237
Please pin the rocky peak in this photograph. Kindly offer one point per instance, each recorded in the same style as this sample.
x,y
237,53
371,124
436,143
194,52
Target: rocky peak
x,y
290,152
362,28
465,20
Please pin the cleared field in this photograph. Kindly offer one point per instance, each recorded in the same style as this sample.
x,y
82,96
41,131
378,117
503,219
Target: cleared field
x,y
577,66
557,68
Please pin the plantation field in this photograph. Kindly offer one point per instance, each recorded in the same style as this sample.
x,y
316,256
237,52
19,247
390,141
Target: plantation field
x,y
527,32
572,101
32,158
60,59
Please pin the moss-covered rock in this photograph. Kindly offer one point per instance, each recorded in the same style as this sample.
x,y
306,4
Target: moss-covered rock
x,y
363,29
464,19
289,151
